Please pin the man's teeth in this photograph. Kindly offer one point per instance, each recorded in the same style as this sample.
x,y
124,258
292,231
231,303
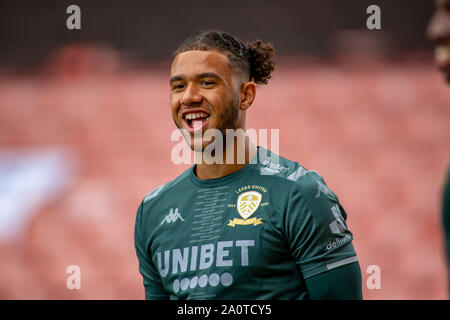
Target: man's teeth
x,y
442,53
193,116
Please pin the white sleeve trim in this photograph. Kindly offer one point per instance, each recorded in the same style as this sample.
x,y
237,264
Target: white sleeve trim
x,y
342,262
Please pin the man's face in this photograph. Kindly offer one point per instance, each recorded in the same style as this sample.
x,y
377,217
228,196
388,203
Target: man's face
x,y
439,31
203,93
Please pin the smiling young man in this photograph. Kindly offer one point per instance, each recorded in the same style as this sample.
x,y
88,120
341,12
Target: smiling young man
x,y
255,227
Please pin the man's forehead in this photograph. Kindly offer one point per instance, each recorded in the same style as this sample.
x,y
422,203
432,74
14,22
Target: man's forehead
x,y
200,61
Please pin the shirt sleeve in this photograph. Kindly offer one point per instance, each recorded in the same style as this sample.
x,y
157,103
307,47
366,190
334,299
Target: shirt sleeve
x,y
154,289
316,227
342,283
446,217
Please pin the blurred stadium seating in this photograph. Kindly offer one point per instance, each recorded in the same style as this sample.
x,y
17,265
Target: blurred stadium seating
x,y
378,132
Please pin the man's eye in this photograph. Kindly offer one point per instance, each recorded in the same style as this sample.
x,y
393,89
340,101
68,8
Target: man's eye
x,y
207,83
178,86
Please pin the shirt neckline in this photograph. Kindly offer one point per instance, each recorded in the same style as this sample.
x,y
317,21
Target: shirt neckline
x,y
217,182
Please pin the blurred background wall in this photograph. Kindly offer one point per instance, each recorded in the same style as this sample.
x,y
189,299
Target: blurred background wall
x,y
85,132
149,30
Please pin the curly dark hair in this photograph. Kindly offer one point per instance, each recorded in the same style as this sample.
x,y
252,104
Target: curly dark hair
x,y
254,60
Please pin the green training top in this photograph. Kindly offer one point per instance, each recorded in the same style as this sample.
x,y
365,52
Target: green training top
x,y
255,234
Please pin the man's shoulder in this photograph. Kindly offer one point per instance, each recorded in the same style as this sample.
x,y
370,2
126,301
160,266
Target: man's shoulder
x,y
285,170
290,176
159,191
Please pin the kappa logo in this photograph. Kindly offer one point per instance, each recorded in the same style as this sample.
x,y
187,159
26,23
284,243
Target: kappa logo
x,y
247,204
337,226
172,216
322,188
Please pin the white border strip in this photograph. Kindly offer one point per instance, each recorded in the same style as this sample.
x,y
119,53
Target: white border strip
x,y
342,262
153,193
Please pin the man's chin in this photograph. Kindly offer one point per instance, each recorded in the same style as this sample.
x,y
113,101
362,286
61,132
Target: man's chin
x,y
203,146
198,148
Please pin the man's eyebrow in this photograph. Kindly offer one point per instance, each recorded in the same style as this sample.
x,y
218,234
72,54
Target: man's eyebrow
x,y
176,78
199,76
208,75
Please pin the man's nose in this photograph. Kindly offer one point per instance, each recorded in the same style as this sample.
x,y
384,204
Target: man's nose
x,y
439,27
191,96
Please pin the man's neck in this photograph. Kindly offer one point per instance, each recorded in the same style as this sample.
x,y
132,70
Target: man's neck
x,y
219,170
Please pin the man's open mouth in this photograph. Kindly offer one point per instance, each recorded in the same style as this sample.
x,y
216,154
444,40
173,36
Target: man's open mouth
x,y
195,120
442,56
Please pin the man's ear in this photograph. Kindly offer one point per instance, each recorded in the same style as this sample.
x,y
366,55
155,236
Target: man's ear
x,y
248,93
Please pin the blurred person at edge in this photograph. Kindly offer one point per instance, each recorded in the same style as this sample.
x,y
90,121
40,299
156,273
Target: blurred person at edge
x,y
439,32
